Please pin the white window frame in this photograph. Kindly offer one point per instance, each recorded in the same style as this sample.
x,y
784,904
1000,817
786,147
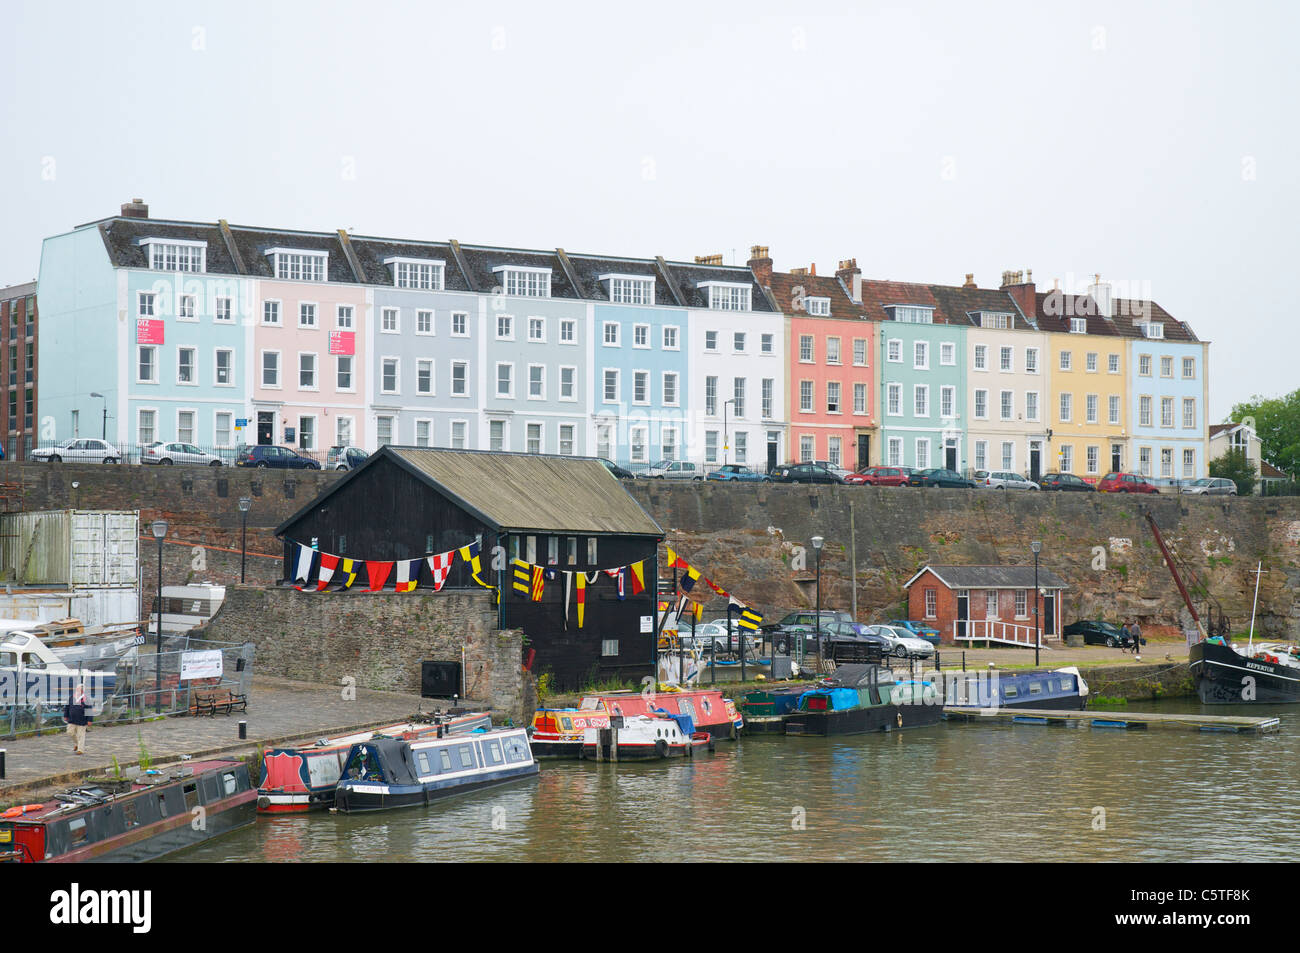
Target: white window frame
x,y
194,368
397,374
396,325
315,315
276,305
422,274
573,383
216,366
432,329
641,331
420,363
541,381
299,264
671,337
464,391
496,381
279,369
461,318
345,317
351,387
315,371
153,363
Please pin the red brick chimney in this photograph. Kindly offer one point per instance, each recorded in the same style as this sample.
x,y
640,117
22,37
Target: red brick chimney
x,y
849,273
760,263
135,209
1022,290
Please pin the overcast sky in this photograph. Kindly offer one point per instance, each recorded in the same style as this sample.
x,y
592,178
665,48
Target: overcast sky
x,y
1153,143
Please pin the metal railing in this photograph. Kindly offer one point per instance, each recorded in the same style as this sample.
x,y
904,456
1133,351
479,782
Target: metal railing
x,y
134,453
995,630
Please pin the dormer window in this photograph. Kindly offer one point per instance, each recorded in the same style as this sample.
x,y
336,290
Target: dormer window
x,y
818,307
423,273
174,254
910,314
523,282
630,289
1078,325
296,264
990,319
727,295
1153,329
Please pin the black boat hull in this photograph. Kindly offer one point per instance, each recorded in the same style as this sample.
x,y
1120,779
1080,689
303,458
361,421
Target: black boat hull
x,y
351,801
856,721
1223,677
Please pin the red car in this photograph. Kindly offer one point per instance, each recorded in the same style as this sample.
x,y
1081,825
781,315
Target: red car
x,y
1125,483
880,476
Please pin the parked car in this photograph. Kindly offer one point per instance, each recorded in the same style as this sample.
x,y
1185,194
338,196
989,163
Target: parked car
x,y
615,469
735,473
937,476
835,468
1125,483
674,470
1004,480
1211,486
801,619
902,642
880,476
282,458
345,458
169,454
919,629
79,450
704,635
1066,482
1096,632
804,473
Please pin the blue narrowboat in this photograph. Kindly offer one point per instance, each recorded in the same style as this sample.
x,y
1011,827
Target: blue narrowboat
x,y
387,772
862,698
1062,689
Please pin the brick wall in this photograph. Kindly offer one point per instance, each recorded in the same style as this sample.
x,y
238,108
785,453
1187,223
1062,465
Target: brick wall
x,y
379,639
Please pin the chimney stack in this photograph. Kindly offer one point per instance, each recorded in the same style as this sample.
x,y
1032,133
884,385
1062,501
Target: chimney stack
x,y
708,259
135,209
849,273
970,280
760,263
1099,291
799,272
1022,291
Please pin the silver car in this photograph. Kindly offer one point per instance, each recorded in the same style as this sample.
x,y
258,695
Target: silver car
x,y
79,450
902,643
1211,486
675,470
1004,480
185,454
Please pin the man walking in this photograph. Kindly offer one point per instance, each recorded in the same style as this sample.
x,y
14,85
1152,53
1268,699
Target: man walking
x,y
1135,632
75,714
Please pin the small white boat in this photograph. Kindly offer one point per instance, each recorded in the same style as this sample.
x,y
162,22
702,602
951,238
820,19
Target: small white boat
x,y
31,675
644,738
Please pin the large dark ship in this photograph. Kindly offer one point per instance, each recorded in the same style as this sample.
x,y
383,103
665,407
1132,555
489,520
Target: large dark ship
x,y
1259,673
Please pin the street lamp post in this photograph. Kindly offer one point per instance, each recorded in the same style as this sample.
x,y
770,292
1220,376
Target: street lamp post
x,y
159,528
245,502
817,542
725,442
104,434
1037,547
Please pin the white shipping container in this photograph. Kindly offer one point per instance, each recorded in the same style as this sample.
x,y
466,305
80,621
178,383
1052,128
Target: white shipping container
x,y
97,548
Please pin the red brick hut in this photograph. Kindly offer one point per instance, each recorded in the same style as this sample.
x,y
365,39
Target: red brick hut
x,y
978,603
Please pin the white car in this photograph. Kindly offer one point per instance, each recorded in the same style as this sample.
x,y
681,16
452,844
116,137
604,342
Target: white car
x,y
902,643
705,632
79,450
1004,480
1210,486
674,470
168,454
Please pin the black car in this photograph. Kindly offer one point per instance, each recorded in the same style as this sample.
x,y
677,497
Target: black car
x,y
1095,632
1067,482
804,473
615,469
937,476
281,458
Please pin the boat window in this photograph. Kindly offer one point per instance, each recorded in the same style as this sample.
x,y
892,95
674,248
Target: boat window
x,y
445,759
229,782
32,660
162,804
8,659
1009,692
131,813
363,766
191,796
322,769
466,753
423,763
516,749
1035,688
567,722
491,753
77,832
686,707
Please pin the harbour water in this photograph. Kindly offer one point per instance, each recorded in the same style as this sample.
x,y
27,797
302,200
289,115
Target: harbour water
x,y
953,792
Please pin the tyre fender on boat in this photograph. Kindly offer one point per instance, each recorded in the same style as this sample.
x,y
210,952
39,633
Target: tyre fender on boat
x,y
900,719
661,748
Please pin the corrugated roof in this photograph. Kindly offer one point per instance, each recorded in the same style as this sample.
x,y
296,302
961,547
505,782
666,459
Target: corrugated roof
x,y
528,491
995,577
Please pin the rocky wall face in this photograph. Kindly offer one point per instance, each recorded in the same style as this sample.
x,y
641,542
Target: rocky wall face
x,y
378,640
754,540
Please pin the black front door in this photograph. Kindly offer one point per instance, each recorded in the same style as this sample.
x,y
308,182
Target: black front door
x,y
265,428
1049,615
1035,463
1115,450
950,458
864,451
771,455
963,612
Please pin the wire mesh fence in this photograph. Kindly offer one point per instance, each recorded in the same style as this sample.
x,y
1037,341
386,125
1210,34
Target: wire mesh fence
x,y
139,684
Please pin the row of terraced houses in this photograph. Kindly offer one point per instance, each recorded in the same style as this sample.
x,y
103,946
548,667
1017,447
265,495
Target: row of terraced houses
x,y
217,334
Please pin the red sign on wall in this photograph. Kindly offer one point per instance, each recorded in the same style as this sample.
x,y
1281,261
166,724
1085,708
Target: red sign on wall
x,y
343,342
148,331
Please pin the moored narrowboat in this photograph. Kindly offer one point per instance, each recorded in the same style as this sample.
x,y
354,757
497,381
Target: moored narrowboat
x,y
765,710
865,698
387,773
303,779
1062,689
645,738
147,819
558,732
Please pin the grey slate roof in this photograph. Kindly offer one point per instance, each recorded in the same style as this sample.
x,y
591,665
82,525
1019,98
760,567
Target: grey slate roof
x,y
526,492
994,577
961,304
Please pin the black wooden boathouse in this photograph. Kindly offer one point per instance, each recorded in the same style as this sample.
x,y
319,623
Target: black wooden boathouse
x,y
568,514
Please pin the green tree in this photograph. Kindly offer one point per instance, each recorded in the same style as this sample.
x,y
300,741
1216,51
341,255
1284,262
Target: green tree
x,y
1277,421
1234,466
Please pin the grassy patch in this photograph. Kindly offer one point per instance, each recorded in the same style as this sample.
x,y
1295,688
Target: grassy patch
x,y
1106,701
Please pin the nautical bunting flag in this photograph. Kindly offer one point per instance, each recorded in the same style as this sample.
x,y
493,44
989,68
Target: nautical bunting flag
x,y
440,566
689,580
470,554
638,578
378,572
749,619
617,576
302,564
348,570
718,589
536,593
522,576
581,579
675,561
328,563
408,571
568,587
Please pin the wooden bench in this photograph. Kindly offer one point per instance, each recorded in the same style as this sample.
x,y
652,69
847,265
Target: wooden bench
x,y
209,703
